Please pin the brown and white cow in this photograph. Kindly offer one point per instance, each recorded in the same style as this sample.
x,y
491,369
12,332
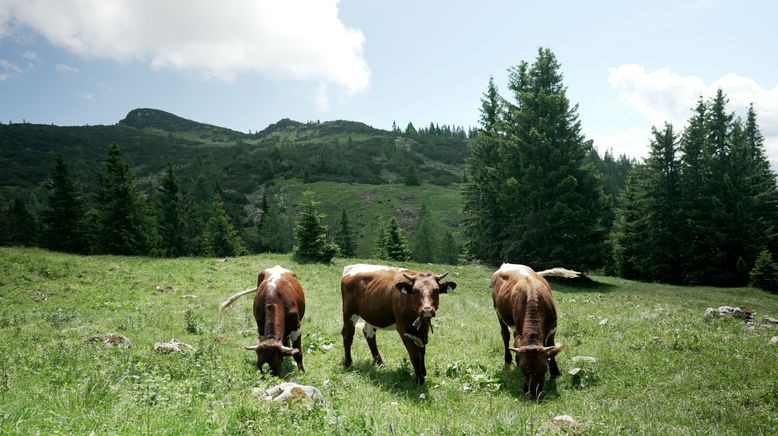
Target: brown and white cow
x,y
391,298
279,306
523,301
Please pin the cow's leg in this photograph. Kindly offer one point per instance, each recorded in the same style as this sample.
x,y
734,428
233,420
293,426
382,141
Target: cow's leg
x,y
297,344
506,336
370,332
417,358
422,354
553,368
348,338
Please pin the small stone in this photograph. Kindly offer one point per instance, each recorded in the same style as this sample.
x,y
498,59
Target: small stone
x,y
604,321
192,296
174,346
564,419
574,372
774,340
422,396
289,391
588,359
769,320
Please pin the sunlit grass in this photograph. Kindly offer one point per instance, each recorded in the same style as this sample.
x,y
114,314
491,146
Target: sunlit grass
x,y
660,368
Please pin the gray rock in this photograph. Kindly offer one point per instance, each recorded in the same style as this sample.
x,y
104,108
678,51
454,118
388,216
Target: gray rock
x,y
604,321
564,420
774,340
288,391
587,359
174,346
110,340
769,320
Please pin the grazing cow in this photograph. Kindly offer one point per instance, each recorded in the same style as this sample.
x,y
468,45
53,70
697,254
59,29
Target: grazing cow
x,y
522,299
279,306
391,298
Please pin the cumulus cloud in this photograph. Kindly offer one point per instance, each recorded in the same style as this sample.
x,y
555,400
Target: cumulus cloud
x,y
291,39
663,96
65,69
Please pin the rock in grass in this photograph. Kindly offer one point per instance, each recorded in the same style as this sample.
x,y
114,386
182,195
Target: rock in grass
x,y
110,340
174,346
587,359
769,320
604,321
774,340
286,392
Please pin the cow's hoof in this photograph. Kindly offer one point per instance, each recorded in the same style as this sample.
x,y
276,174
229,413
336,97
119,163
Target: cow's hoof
x,y
347,363
378,361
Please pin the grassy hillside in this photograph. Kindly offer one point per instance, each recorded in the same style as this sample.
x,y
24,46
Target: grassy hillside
x,y
660,369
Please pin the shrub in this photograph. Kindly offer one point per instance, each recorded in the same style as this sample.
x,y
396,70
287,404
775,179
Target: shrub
x,y
765,273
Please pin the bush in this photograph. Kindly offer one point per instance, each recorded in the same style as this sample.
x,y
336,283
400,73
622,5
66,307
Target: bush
x,y
765,273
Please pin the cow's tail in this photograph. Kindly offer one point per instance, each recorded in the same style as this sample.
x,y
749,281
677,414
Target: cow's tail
x,y
232,299
560,272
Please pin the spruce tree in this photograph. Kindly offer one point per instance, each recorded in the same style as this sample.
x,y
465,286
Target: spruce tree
x,y
411,175
172,228
765,272
194,227
63,217
553,200
121,222
345,236
274,231
631,248
221,239
449,250
426,247
311,234
22,226
396,244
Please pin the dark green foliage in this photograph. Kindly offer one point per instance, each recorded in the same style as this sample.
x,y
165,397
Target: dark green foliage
x,y
705,213
396,244
194,228
765,272
22,227
122,220
274,229
311,234
63,217
379,250
549,202
221,239
345,236
172,228
449,250
426,246
411,176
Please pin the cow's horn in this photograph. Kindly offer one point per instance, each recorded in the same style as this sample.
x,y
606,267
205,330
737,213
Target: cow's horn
x,y
515,350
409,278
547,349
442,276
286,350
253,347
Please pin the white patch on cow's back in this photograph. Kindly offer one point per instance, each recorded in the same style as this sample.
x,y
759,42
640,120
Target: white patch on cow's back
x,y
295,334
360,268
519,269
274,274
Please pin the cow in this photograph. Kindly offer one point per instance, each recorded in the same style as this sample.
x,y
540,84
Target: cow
x,y
523,301
391,298
279,306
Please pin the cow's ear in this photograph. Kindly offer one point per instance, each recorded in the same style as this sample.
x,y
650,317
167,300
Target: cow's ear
x,y
260,278
404,287
447,287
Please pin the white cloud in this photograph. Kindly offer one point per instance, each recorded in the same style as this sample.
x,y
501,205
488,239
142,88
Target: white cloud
x,y
662,96
30,55
633,142
8,70
292,39
319,97
65,69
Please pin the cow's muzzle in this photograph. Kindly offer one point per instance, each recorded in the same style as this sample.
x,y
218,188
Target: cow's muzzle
x,y
428,312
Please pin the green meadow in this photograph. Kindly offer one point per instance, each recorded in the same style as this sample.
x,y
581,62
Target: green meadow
x,y
660,369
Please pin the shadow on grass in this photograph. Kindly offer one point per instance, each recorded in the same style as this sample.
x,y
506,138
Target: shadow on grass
x,y
583,284
398,380
513,382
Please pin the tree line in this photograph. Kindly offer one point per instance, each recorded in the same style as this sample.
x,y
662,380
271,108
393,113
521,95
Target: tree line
x,y
701,209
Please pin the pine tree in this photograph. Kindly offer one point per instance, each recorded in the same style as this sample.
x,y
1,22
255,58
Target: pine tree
x,y
63,216
411,175
449,250
482,215
765,273
194,227
311,234
172,228
22,226
345,236
553,200
379,250
121,224
221,239
274,231
425,244
396,245
630,243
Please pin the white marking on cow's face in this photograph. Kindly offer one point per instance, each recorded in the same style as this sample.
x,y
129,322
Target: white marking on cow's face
x,y
360,268
295,334
511,267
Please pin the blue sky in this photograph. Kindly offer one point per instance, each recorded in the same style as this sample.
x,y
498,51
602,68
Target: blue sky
x,y
245,64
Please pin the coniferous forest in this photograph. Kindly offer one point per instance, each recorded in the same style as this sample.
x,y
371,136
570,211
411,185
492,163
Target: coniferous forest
x,y
529,187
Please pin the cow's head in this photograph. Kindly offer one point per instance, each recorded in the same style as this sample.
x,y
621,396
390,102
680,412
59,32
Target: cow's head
x,y
533,362
424,289
272,352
